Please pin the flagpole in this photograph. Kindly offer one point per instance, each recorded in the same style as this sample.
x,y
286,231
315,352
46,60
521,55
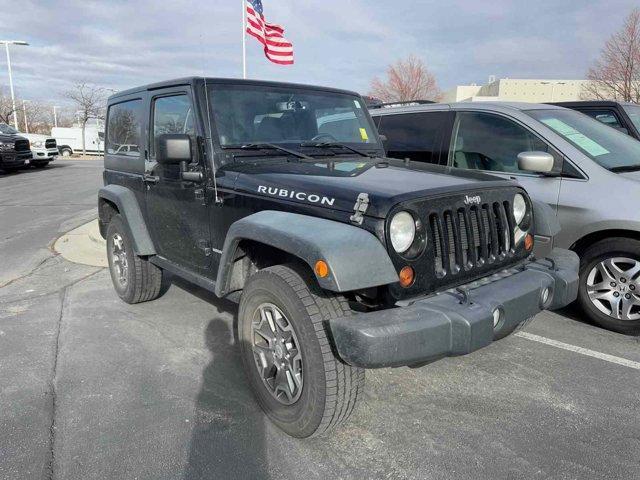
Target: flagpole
x,y
244,39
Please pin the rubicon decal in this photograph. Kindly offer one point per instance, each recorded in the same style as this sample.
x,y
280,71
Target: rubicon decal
x,y
293,194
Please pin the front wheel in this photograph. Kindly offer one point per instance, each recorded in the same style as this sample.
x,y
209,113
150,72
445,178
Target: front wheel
x,y
609,290
135,279
66,152
296,377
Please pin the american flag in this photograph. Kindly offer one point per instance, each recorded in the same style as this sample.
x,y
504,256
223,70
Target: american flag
x,y
276,48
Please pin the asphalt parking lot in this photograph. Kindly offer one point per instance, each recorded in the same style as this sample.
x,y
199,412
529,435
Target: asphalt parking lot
x,y
91,387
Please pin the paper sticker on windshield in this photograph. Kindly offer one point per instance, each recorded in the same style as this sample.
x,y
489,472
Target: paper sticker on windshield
x,y
358,105
590,146
363,134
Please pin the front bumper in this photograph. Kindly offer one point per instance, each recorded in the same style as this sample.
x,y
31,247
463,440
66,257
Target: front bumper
x,y
44,154
14,159
456,322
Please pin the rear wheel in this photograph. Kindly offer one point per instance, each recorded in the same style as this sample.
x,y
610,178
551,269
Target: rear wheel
x,y
66,151
296,377
135,279
609,290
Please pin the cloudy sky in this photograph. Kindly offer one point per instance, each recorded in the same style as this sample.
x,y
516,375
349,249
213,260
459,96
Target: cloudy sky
x,y
344,43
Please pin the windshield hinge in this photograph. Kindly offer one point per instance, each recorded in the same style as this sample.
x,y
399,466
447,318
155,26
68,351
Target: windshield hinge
x,y
360,208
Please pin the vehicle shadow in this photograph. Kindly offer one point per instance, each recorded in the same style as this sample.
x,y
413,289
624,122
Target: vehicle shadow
x,y
31,170
228,435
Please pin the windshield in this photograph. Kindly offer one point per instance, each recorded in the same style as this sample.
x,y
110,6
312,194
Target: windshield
x,y
7,129
255,114
611,149
634,114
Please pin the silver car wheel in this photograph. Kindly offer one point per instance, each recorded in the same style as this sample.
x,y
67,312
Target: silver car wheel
x,y
277,354
119,260
613,287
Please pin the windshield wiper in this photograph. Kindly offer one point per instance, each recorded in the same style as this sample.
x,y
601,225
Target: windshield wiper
x,y
336,145
271,146
625,168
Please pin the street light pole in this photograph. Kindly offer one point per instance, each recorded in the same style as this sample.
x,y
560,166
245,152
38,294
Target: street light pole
x,y
26,122
55,116
13,98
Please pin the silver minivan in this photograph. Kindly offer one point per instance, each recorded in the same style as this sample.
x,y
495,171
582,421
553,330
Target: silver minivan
x,y
587,172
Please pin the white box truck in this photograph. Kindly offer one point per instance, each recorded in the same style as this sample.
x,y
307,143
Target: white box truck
x,y
69,140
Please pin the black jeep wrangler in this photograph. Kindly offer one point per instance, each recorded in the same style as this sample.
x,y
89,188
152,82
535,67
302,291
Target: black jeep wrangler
x,y
279,197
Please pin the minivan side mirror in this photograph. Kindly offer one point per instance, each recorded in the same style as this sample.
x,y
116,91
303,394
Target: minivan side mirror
x,y
173,148
537,162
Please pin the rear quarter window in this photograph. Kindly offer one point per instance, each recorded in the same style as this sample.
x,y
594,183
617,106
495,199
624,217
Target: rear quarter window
x,y
416,136
123,128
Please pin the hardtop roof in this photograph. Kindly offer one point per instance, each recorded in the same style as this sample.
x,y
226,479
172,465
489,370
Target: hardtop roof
x,y
193,81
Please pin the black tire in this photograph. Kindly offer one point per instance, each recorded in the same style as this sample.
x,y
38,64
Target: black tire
x,y
592,256
66,152
330,388
39,164
143,280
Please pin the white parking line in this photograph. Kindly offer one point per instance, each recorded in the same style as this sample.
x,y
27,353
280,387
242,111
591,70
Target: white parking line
x,y
583,351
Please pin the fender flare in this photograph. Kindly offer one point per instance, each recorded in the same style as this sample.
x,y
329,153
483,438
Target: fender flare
x,y
127,204
545,220
356,258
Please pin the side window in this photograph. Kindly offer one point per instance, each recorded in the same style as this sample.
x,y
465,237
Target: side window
x,y
172,114
416,136
123,128
606,116
489,142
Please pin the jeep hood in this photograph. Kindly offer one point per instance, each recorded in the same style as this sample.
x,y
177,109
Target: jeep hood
x,y
336,185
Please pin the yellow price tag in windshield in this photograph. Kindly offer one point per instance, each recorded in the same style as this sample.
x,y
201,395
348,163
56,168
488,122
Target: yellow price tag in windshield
x,y
363,134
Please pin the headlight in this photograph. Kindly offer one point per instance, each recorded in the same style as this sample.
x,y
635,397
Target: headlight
x,y
519,208
37,144
402,231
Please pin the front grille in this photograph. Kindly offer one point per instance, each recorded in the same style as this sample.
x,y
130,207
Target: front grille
x,y
471,237
51,143
21,145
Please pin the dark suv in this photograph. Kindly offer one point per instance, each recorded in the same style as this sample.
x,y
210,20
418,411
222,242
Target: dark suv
x,y
623,116
277,196
14,149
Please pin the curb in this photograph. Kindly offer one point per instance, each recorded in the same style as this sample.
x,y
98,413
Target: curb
x,y
83,245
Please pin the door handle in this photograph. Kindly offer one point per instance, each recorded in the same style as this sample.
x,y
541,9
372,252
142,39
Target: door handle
x,y
150,178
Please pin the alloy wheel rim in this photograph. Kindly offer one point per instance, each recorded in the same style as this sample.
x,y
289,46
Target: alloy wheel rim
x,y
119,259
277,353
613,286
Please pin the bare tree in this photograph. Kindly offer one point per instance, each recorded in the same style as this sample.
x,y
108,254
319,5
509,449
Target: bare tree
x,y
89,101
6,108
616,74
407,79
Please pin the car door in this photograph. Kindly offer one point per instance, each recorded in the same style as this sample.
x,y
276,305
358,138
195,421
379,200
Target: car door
x,y
421,137
492,142
176,209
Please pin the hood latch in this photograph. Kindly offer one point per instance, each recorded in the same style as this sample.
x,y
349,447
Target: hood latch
x,y
360,208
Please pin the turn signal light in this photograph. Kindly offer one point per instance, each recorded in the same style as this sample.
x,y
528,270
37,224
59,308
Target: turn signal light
x,y
321,268
528,242
406,277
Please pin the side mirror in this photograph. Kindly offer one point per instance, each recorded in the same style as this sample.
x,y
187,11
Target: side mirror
x,y
537,162
174,148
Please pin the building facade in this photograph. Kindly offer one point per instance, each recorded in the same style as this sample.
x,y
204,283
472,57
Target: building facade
x,y
518,90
